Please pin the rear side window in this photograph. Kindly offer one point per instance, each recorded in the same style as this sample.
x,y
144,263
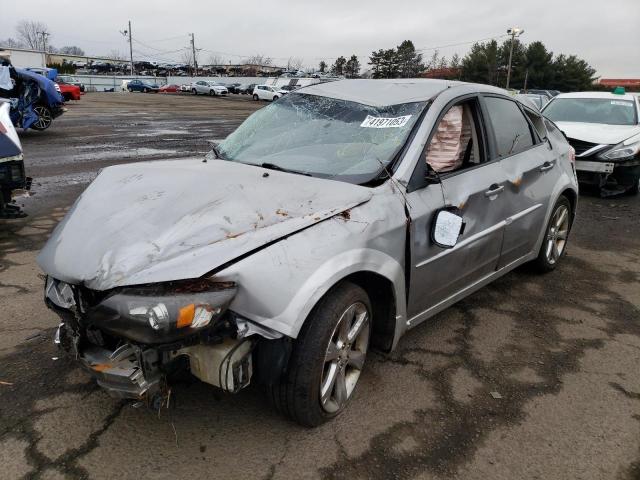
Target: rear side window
x,y
510,128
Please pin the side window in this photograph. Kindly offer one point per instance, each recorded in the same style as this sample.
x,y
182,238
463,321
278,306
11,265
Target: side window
x,y
456,143
537,122
510,128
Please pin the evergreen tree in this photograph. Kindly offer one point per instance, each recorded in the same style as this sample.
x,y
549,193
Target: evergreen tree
x,y
408,61
338,67
352,67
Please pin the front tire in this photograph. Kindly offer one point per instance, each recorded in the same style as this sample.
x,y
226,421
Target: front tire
x,y
556,236
145,90
194,91
635,188
255,97
327,358
275,97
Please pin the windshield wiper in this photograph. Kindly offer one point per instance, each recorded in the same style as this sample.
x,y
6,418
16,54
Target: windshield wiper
x,y
273,166
216,150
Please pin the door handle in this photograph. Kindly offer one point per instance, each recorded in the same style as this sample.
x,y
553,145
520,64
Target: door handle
x,y
494,189
547,166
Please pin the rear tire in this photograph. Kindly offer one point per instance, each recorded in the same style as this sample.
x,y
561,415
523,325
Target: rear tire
x,y
556,236
45,118
327,358
255,97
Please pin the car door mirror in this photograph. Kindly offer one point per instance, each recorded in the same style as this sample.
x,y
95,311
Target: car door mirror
x,y
447,228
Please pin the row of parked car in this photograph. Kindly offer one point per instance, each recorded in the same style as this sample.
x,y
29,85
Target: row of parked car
x,y
212,88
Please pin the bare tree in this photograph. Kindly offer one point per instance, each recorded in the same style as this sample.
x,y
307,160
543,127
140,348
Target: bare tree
x,y
294,63
434,61
12,43
216,59
186,57
258,59
71,50
117,55
32,34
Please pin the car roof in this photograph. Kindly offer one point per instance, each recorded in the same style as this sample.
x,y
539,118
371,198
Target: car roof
x,y
385,92
605,95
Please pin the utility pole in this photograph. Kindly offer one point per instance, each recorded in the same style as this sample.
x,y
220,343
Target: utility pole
x,y
127,33
514,32
130,49
44,35
193,49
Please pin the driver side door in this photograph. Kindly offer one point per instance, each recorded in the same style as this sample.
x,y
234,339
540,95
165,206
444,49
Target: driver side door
x,y
439,276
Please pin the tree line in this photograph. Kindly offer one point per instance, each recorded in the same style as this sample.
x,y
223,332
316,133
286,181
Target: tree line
x,y
35,36
533,66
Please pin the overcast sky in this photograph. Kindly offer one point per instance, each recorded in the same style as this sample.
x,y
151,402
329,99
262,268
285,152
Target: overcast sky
x,y
607,35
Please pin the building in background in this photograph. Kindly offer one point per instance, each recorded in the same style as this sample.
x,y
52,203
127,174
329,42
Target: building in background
x,y
627,83
23,58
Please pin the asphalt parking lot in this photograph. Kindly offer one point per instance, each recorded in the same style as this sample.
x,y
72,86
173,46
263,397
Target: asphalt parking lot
x,y
531,377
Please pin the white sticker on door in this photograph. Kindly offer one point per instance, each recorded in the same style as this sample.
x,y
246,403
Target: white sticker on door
x,y
383,122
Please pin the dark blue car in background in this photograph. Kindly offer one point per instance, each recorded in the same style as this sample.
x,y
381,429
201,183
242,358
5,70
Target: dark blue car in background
x,y
34,99
140,86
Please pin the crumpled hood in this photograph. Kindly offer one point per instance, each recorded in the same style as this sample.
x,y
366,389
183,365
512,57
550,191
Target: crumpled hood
x,y
599,133
172,220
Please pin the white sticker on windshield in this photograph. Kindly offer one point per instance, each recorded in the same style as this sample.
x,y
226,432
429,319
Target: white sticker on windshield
x,y
381,122
622,104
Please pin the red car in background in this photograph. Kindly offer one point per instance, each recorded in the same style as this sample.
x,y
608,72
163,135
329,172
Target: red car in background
x,y
68,92
173,88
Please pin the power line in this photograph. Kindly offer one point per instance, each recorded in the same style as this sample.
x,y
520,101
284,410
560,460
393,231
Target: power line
x,y
460,44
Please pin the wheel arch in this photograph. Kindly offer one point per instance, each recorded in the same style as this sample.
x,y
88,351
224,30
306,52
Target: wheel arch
x,y
383,304
572,196
379,274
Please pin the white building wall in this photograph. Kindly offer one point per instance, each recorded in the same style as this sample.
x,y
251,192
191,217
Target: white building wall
x,y
26,58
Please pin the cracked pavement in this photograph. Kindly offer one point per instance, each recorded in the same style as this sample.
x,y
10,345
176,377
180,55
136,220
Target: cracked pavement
x,y
531,377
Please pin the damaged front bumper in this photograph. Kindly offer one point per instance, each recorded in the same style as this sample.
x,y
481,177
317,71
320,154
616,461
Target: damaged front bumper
x,y
611,177
128,368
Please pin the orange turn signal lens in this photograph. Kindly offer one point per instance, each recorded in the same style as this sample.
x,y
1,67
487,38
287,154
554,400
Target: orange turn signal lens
x,y
185,316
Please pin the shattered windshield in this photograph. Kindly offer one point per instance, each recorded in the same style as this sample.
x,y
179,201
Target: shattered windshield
x,y
323,137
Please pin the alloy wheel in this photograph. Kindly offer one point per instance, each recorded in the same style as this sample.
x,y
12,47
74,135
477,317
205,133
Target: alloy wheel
x,y
557,234
344,357
44,118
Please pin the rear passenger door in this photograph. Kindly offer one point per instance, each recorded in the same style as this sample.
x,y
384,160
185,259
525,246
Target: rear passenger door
x,y
529,167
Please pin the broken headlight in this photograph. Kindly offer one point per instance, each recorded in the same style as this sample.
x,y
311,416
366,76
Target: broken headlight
x,y
161,314
624,150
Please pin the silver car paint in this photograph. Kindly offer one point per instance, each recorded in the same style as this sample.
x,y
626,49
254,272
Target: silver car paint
x,y
173,220
280,284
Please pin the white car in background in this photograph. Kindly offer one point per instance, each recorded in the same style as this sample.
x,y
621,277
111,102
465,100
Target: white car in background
x,y
204,87
604,130
267,92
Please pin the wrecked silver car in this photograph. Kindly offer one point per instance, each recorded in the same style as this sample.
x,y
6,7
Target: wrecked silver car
x,y
330,222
